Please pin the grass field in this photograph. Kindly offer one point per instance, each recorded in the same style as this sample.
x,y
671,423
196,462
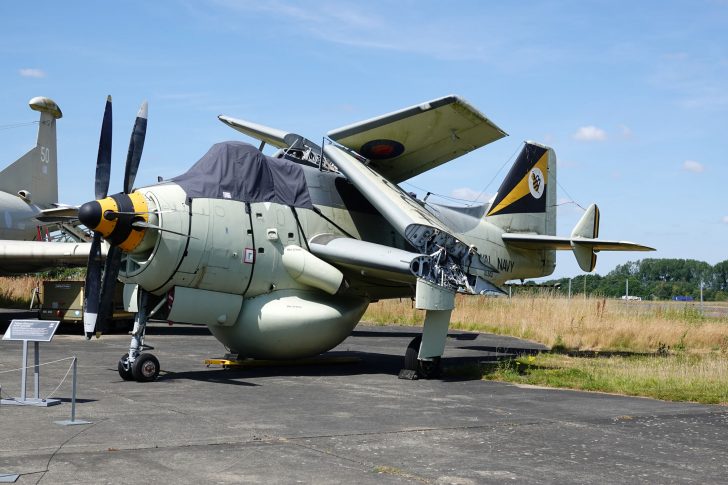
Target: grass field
x,y
666,350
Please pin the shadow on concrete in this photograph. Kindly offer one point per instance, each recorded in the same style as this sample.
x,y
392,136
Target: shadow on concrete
x,y
414,333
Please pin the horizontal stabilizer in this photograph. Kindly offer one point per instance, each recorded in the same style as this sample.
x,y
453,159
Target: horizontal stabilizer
x,y
413,140
538,242
58,214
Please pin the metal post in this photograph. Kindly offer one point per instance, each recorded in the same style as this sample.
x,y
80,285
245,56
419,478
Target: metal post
x,y
569,288
73,421
73,392
24,372
36,369
626,288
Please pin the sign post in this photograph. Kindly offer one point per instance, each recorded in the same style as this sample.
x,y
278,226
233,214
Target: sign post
x,y
35,331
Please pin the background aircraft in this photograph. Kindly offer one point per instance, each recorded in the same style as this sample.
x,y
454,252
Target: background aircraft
x,y
279,256
29,195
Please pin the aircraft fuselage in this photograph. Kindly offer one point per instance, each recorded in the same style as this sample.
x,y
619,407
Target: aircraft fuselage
x,y
229,273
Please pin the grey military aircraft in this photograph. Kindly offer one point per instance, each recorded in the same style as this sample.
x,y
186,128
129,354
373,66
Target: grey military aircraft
x,y
280,255
28,194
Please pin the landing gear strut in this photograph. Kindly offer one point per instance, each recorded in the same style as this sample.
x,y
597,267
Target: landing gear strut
x,y
135,365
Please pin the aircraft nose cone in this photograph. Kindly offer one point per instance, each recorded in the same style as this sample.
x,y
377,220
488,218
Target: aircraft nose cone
x,y
90,214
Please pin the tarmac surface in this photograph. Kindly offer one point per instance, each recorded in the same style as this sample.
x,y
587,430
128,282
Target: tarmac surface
x,y
337,423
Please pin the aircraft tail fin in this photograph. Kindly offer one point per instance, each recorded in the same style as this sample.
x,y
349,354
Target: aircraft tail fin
x,y
526,200
587,227
34,176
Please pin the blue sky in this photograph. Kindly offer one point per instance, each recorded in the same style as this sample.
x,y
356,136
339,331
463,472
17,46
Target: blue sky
x,y
633,96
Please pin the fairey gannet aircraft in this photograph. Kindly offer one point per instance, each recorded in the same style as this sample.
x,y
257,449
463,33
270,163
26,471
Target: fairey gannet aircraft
x,y
28,194
280,255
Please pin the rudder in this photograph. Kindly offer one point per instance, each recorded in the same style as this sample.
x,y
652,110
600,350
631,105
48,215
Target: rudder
x,y
526,200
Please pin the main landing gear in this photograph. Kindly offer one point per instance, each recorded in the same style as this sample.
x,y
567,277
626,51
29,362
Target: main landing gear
x,y
422,358
136,364
415,368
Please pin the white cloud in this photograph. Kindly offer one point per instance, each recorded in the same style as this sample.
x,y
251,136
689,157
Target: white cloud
x,y
725,219
590,133
625,131
31,72
468,194
693,166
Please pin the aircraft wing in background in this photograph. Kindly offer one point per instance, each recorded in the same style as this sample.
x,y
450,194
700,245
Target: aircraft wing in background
x,y
31,256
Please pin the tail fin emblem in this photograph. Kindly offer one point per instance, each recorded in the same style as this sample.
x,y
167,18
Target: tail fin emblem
x,y
536,184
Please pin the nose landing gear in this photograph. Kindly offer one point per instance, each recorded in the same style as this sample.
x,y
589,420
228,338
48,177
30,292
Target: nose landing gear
x,y
137,365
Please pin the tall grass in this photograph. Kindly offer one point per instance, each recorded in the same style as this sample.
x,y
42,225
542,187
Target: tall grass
x,y
16,291
584,324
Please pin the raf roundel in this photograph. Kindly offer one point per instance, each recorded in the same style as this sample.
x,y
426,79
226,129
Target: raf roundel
x,y
382,149
536,182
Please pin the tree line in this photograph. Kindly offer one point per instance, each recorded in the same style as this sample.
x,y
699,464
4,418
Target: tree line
x,y
654,279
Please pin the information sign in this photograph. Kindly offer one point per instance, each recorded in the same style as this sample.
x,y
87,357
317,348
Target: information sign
x,y
31,330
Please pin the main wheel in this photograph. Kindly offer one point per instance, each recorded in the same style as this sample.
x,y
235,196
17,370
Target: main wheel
x,y
410,355
145,368
426,369
124,368
429,369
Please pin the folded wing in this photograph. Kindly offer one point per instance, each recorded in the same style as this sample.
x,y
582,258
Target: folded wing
x,y
413,140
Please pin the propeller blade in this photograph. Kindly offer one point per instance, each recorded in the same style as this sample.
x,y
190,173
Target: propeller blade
x,y
136,145
92,287
108,287
103,160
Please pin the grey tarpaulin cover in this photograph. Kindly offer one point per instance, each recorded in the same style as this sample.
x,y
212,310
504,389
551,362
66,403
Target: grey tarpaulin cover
x,y
239,171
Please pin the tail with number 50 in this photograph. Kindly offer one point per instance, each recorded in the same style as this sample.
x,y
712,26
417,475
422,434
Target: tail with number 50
x,y
34,176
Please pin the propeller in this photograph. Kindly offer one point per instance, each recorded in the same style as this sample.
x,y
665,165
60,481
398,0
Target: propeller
x,y
93,272
99,289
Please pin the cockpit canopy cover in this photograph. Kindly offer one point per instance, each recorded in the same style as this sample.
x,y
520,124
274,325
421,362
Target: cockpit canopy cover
x,y
239,171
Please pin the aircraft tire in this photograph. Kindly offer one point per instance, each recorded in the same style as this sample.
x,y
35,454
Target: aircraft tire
x,y
410,356
426,369
124,368
145,368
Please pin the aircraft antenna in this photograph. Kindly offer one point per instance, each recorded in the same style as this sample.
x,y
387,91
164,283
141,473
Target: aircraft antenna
x,y
10,126
497,173
571,199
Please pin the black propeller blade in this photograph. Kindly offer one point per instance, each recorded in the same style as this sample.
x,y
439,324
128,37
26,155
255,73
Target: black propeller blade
x,y
100,289
92,287
103,160
136,145
108,287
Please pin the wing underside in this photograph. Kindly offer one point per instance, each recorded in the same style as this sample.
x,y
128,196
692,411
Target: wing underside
x,y
413,140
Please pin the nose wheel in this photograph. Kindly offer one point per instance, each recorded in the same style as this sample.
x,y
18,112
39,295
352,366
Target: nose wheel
x,y
136,364
124,368
145,368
